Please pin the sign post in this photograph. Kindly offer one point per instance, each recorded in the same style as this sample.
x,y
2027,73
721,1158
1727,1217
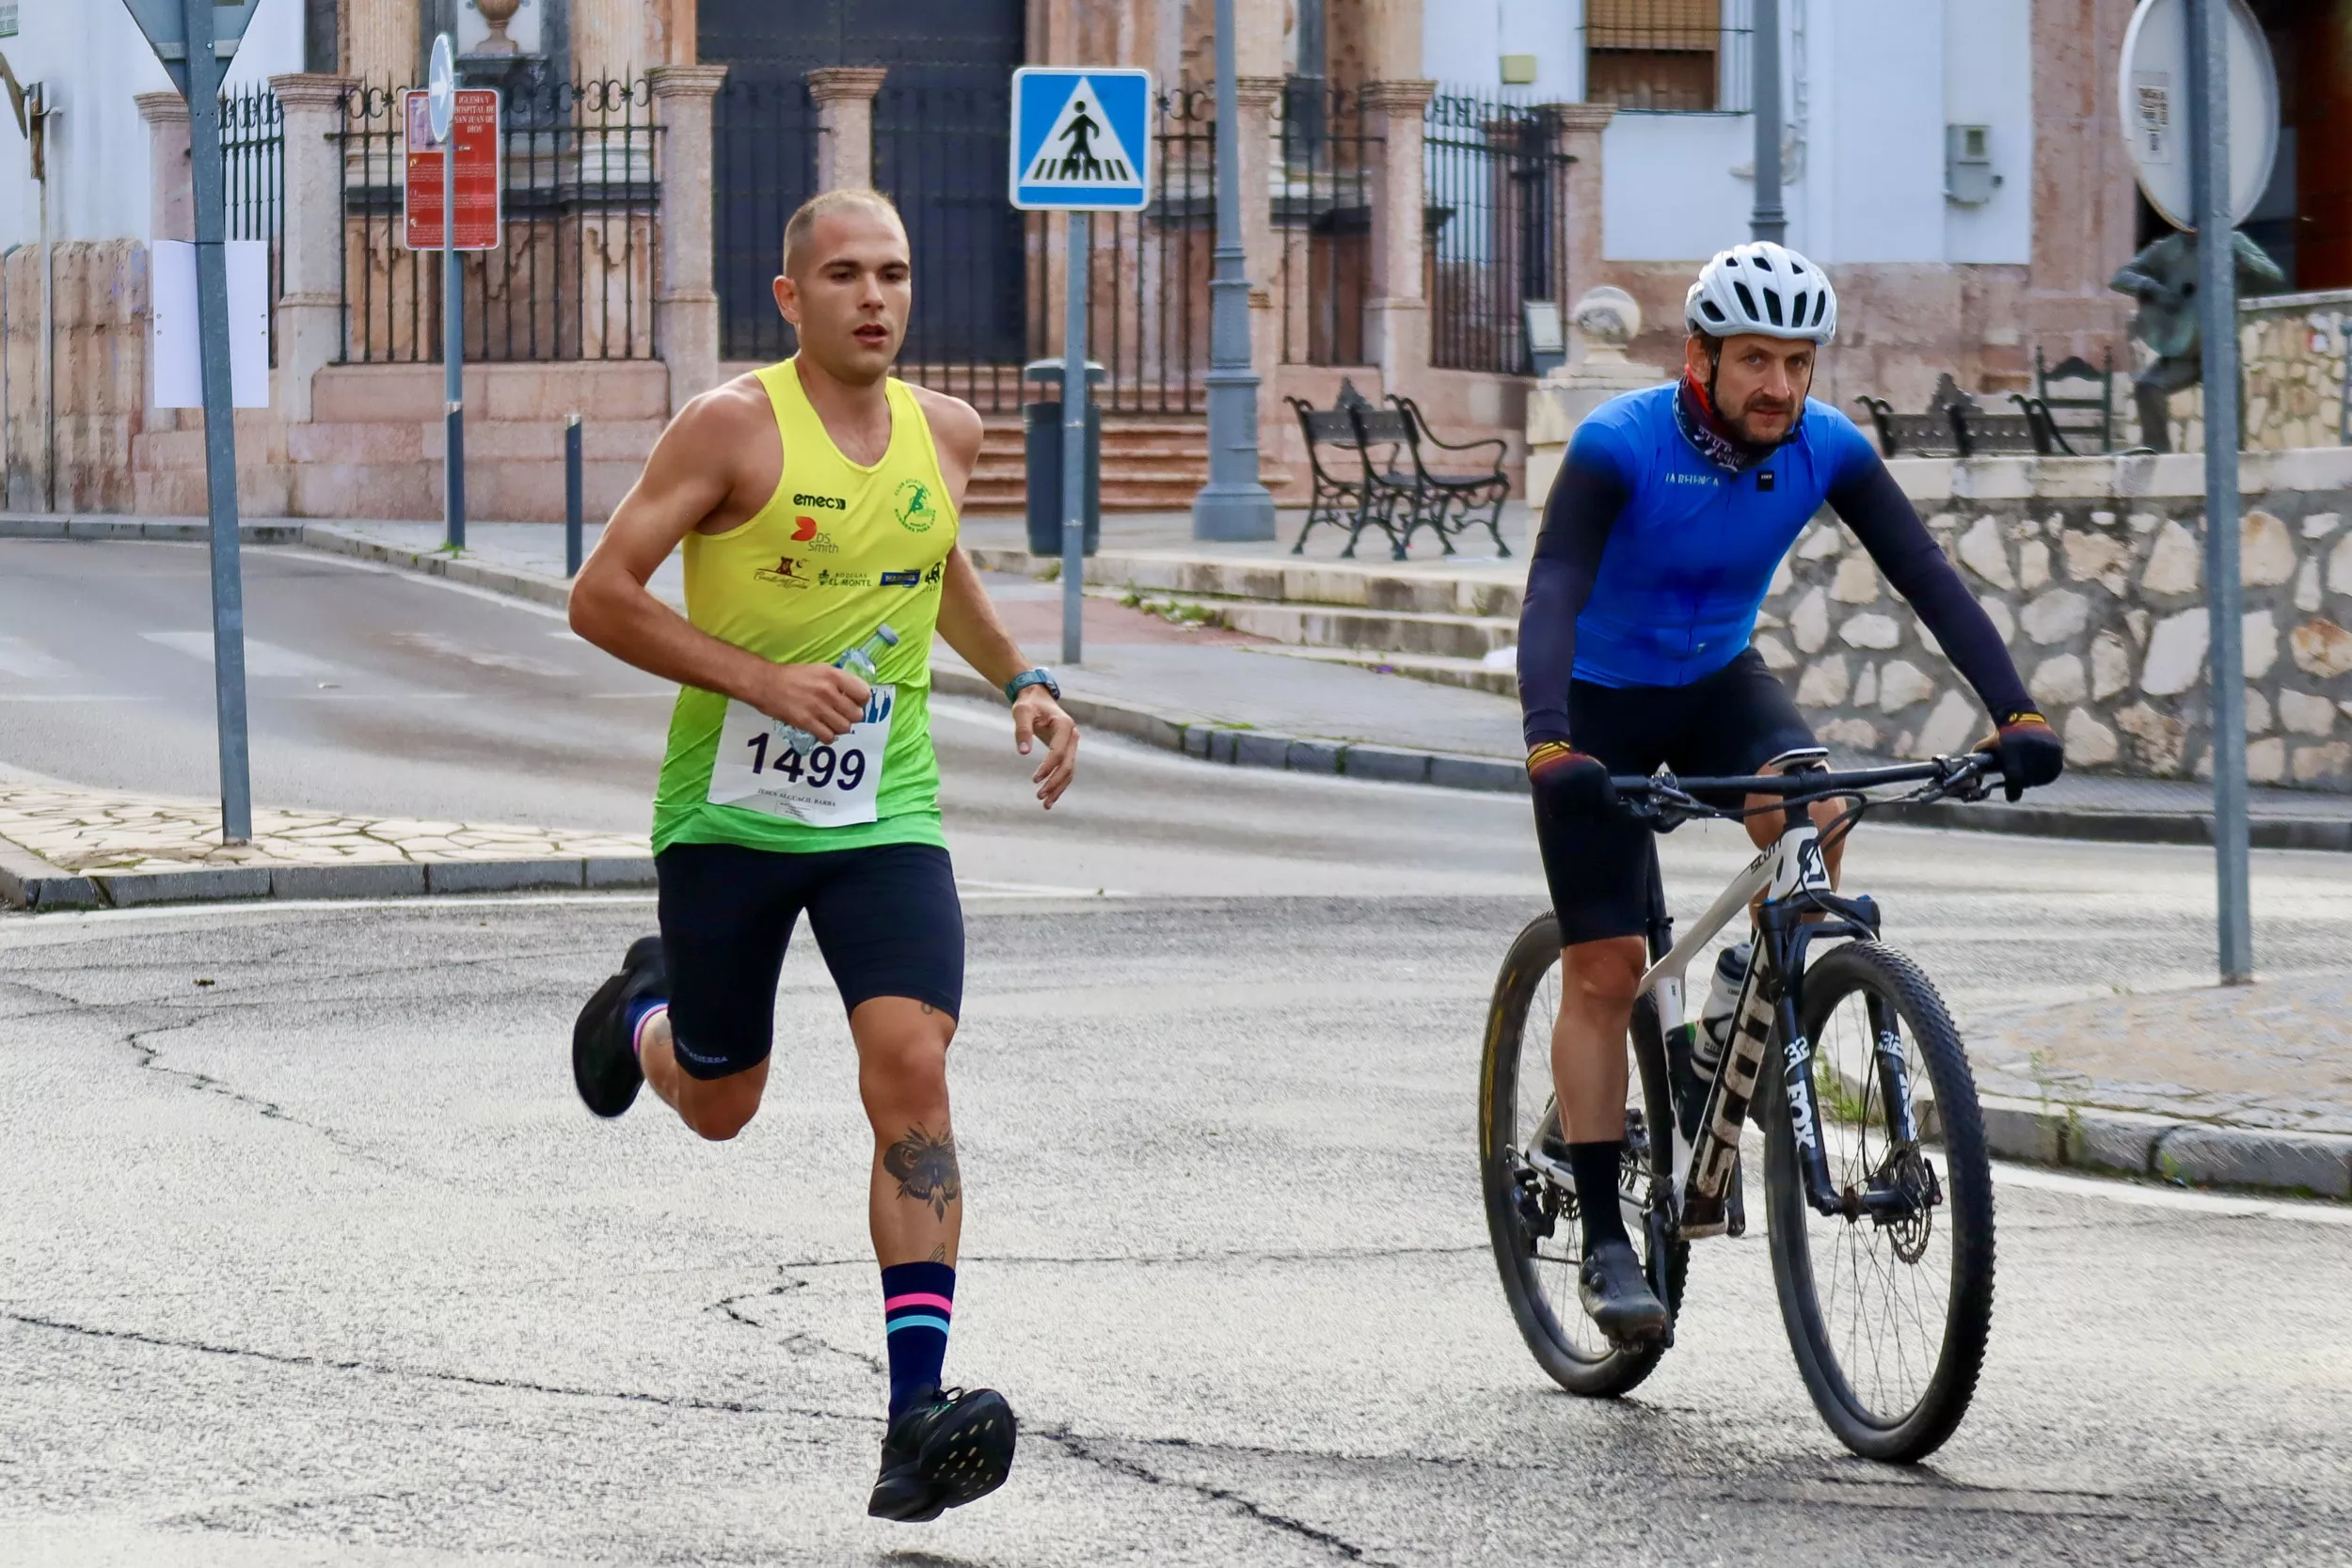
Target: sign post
x,y
2202,67
453,142
196,40
1081,143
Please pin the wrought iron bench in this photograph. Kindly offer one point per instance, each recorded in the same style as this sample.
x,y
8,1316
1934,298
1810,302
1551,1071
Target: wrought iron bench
x,y
1955,427
1365,499
1449,502
2078,398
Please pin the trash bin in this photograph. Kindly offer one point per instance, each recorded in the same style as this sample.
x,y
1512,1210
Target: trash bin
x,y
1043,437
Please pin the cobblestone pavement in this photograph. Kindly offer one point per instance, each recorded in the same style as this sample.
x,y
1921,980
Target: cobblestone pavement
x,y
86,830
2276,1053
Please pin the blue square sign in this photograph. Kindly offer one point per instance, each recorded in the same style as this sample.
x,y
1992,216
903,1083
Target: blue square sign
x,y
1081,138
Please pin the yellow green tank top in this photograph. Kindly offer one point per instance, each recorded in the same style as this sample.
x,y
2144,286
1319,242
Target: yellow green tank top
x,y
840,550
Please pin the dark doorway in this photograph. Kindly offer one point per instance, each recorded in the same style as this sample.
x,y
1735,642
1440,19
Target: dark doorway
x,y
940,129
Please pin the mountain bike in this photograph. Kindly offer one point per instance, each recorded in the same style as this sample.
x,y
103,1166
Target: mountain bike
x,y
1878,1193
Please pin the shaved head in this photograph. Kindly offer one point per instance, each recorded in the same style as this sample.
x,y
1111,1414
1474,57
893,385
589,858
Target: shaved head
x,y
802,225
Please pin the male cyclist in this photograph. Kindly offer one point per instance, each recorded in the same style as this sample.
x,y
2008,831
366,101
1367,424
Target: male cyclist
x,y
1659,540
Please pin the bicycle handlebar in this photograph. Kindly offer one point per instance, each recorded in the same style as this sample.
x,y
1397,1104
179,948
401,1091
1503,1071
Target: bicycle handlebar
x,y
1976,765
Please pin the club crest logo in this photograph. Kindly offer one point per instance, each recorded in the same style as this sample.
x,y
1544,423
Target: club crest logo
x,y
914,507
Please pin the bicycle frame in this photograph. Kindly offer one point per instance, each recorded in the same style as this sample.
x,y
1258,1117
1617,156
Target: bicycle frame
x,y
1799,906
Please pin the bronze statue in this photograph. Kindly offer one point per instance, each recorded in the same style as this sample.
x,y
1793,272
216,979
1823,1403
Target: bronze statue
x,y
2163,277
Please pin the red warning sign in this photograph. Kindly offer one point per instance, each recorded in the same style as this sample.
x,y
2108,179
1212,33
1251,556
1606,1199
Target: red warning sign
x,y
476,132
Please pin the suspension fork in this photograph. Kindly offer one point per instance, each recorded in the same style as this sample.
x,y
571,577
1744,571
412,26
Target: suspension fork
x,y
1783,911
1886,1046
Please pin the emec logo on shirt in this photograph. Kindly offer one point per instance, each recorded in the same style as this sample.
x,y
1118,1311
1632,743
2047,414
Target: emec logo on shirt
x,y
913,506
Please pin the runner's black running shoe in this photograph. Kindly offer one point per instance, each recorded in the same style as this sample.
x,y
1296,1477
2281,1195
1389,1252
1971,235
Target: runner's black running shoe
x,y
1617,1297
943,1452
604,1062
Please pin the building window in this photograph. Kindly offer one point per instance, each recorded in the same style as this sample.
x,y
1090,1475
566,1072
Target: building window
x,y
1665,55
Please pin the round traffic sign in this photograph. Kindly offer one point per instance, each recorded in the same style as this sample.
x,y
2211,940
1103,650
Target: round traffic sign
x,y
2153,92
441,89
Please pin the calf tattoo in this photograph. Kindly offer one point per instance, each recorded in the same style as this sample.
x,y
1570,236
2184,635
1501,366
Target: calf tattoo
x,y
926,1168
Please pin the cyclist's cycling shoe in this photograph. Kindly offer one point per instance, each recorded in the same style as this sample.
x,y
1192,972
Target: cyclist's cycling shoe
x,y
1618,1298
941,1453
604,1060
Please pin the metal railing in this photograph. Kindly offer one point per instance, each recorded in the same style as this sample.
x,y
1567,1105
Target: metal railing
x,y
1669,56
1324,169
939,152
764,164
253,181
573,277
1148,304
1496,184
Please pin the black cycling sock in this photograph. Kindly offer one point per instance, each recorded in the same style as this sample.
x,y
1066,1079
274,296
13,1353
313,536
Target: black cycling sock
x,y
1596,1167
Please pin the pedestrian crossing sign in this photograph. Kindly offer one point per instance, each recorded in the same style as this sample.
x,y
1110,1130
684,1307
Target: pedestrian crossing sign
x,y
1081,138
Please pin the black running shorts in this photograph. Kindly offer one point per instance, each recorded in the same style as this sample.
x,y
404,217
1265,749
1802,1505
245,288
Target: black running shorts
x,y
1730,722
886,919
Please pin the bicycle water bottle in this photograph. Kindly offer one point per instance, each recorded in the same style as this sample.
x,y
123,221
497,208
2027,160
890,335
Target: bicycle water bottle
x,y
1723,999
861,661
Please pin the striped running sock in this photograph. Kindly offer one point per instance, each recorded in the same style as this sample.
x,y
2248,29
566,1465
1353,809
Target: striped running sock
x,y
641,1012
917,1300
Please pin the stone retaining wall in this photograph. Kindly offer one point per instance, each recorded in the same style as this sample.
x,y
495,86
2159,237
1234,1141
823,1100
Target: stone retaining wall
x,y
2094,572
2290,347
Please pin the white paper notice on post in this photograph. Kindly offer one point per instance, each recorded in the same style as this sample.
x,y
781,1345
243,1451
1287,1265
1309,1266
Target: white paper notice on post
x,y
179,364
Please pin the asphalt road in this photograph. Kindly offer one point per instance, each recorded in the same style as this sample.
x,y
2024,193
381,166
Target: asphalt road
x,y
323,1263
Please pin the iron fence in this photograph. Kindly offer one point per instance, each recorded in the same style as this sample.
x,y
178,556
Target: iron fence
x,y
939,152
1669,56
764,164
253,181
573,275
1496,185
1148,299
1323,169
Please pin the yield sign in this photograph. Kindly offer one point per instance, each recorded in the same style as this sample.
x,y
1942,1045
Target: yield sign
x,y
1080,139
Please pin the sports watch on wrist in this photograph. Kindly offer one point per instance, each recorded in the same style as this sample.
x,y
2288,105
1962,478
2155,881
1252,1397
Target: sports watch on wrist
x,y
1039,676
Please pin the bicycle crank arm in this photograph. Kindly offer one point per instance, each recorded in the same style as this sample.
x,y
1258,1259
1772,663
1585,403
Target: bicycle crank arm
x,y
1636,1210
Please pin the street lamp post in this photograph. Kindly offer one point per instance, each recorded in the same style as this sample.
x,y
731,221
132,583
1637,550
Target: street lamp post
x,y
1768,221
1232,505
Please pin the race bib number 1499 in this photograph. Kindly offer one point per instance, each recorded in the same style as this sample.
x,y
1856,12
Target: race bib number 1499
x,y
835,785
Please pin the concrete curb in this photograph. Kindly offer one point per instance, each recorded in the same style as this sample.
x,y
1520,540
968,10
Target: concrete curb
x,y
19,525
2133,1143
28,884
534,586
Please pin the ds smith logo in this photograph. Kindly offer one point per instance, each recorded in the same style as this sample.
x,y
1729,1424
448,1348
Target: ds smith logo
x,y
805,532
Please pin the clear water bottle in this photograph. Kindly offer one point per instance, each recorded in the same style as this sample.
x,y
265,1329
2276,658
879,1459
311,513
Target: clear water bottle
x,y
1723,1000
861,661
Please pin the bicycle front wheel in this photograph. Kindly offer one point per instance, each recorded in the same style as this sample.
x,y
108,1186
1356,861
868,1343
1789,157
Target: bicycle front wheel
x,y
1889,1302
1532,1215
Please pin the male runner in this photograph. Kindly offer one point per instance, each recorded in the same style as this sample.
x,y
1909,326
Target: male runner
x,y
1660,538
817,502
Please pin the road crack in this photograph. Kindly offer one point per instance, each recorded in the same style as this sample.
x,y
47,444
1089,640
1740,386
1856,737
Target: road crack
x,y
1080,1448
150,1060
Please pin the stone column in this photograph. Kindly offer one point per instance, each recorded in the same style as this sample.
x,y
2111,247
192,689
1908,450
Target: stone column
x,y
171,190
686,307
1581,125
1399,310
310,308
845,120
1254,98
610,40
383,35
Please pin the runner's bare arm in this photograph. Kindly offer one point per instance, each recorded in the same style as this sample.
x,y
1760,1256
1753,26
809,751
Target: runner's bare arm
x,y
698,472
968,621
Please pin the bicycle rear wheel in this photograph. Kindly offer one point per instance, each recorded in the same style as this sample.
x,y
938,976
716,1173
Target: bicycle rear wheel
x,y
1888,1312
1531,1214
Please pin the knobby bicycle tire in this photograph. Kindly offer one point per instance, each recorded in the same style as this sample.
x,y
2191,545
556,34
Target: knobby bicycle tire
x,y
1966,1211
1619,1370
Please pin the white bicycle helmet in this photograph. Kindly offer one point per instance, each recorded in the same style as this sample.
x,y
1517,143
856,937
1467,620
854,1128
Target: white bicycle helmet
x,y
1763,288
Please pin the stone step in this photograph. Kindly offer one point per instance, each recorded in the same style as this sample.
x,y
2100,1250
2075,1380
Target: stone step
x,y
1331,626
1480,589
1474,673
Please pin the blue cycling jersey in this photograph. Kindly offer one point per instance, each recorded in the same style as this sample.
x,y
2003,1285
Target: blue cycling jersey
x,y
1694,548
1660,540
